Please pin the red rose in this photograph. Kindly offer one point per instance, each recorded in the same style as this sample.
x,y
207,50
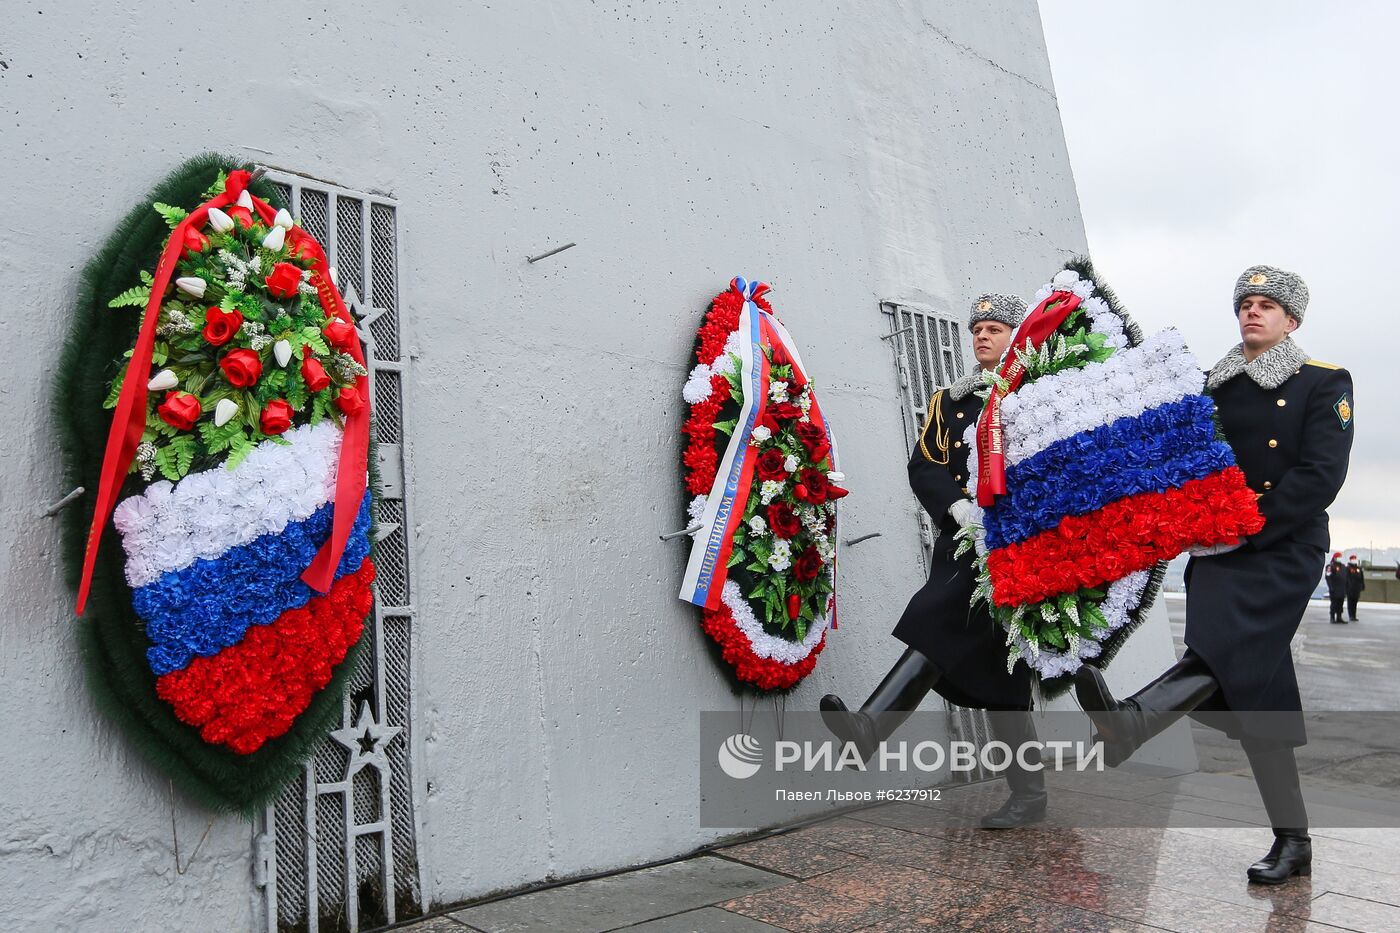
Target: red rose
x,y
810,434
283,281
242,215
785,411
221,325
771,423
783,520
780,356
820,451
242,368
800,493
341,335
808,565
179,410
770,464
301,244
276,417
794,606
195,242
312,372
816,483
349,400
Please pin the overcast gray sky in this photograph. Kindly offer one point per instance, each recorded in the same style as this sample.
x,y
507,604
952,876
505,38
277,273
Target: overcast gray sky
x,y
1208,136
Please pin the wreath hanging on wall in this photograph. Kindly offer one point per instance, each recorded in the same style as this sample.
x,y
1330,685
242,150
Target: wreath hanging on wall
x,y
760,464
221,556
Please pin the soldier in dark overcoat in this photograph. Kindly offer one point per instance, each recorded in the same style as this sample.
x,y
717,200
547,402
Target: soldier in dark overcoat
x,y
1336,576
1356,582
955,649
1288,418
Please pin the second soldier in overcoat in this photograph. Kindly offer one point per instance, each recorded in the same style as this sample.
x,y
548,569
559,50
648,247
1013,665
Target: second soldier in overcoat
x,y
955,649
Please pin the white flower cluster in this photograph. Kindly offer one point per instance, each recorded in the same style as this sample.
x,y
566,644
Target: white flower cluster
x,y
175,323
778,390
770,490
1102,319
305,286
171,525
258,338
813,517
763,644
346,367
1123,597
1157,371
781,558
697,386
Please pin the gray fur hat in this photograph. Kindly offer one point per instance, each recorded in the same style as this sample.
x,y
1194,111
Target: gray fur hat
x,y
1287,288
1008,309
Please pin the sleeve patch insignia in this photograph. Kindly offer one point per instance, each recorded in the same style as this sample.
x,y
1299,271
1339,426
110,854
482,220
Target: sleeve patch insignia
x,y
1343,410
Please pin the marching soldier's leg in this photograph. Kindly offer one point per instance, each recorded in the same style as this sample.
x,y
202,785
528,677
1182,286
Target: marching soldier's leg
x,y
1125,725
1028,799
1276,774
898,695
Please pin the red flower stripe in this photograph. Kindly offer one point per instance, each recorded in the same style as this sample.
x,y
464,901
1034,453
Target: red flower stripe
x,y
1128,535
765,673
251,692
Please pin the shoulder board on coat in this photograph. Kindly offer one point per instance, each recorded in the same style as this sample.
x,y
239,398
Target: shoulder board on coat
x,y
1322,365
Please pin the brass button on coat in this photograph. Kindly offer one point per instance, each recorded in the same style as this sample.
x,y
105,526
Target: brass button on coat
x,y
957,443
1281,402
1272,442
960,414
1268,485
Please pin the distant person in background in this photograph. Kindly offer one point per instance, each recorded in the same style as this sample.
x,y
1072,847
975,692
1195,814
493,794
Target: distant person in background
x,y
1336,576
1356,582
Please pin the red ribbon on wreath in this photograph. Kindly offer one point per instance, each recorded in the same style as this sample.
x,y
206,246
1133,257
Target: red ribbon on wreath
x,y
129,419
991,452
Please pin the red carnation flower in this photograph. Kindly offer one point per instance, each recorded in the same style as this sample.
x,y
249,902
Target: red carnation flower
x,y
783,520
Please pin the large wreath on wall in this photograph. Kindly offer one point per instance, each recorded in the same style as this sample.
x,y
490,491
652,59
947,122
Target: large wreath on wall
x,y
761,465
234,474
1095,460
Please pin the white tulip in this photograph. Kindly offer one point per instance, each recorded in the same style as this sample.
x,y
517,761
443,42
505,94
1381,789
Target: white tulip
x,y
282,352
191,285
283,219
165,379
224,411
274,239
221,222
245,199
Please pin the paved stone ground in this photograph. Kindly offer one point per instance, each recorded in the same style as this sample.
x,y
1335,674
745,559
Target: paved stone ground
x,y
907,867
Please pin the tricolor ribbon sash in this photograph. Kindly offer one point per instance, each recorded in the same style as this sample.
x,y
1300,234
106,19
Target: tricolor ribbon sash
x,y
991,451
129,418
724,508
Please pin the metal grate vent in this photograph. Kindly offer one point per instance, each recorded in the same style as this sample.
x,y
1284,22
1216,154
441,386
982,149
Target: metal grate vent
x,y
341,843
928,351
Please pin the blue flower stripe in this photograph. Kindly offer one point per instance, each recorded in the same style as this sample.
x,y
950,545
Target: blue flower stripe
x,y
1162,448
209,606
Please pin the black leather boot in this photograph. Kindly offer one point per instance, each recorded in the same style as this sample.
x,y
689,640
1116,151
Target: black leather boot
x,y
1291,854
1027,802
898,695
1276,775
1124,726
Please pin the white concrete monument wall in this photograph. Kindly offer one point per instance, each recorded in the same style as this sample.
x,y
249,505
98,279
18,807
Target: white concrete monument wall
x,y
883,151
